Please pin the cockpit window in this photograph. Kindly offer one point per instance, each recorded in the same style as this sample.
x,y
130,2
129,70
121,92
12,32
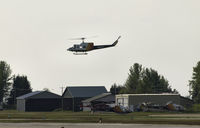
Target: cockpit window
x,y
76,46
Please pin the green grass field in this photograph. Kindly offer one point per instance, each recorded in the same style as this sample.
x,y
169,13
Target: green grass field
x,y
107,117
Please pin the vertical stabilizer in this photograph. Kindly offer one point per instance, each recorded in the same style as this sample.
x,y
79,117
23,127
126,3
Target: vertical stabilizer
x,y
116,41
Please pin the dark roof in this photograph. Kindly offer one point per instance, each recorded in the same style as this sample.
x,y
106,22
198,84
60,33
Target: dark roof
x,y
96,97
86,91
108,98
39,94
29,95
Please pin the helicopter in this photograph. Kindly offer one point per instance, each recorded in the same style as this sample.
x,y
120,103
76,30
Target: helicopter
x,y
84,47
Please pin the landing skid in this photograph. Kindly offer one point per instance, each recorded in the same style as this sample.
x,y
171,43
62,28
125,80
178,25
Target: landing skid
x,y
79,53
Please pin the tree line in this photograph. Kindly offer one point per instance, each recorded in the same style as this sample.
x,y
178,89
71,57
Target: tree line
x,y
12,86
143,80
147,80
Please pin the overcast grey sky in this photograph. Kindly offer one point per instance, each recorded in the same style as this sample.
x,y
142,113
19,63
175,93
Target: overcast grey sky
x,y
159,34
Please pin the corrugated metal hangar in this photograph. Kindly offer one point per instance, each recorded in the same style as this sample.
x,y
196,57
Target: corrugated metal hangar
x,y
38,101
132,100
73,96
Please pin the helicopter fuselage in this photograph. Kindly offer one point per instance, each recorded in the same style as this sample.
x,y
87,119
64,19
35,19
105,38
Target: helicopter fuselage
x,y
83,47
88,46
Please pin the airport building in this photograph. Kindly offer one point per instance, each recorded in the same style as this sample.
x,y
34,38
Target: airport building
x,y
132,100
74,95
38,101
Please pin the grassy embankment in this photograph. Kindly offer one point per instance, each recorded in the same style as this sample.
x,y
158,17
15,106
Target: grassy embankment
x,y
87,117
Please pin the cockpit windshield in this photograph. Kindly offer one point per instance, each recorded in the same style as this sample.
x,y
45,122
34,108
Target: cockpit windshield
x,y
76,46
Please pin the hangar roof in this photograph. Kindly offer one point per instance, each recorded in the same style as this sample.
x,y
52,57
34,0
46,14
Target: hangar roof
x,y
83,91
165,94
39,94
97,97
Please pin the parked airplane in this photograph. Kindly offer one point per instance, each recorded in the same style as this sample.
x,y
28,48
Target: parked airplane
x,y
84,47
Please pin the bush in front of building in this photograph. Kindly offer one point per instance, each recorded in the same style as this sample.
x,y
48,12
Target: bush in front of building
x,y
195,108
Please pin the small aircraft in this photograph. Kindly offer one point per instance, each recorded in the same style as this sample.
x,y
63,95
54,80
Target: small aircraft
x,y
84,47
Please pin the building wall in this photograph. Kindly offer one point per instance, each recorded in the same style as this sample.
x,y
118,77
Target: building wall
x,y
42,104
21,105
122,100
156,99
67,104
78,103
128,100
73,104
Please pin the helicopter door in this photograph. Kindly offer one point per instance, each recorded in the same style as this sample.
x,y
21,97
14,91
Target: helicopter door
x,y
90,46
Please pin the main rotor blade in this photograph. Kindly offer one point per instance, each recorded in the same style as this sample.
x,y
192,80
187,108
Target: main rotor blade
x,y
82,38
